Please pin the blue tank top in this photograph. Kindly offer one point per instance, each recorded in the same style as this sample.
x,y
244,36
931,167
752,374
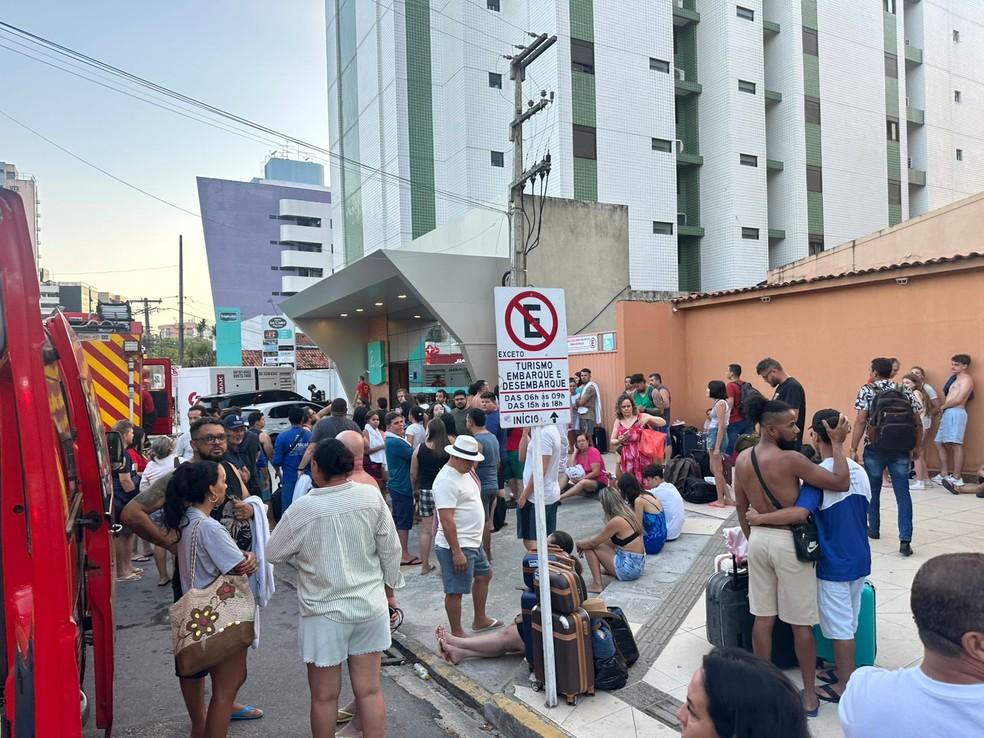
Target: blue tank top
x,y
655,527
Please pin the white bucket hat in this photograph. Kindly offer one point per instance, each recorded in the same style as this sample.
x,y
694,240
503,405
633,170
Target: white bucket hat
x,y
465,447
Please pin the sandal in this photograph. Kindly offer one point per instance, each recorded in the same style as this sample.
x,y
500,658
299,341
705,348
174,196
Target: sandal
x,y
133,576
248,712
415,561
496,623
828,676
343,716
827,693
809,713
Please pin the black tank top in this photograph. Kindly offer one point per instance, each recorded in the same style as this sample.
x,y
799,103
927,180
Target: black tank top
x,y
429,463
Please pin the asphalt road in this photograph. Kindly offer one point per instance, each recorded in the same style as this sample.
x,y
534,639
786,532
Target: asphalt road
x,y
148,701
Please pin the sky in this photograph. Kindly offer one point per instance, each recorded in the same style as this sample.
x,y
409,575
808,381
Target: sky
x,y
261,59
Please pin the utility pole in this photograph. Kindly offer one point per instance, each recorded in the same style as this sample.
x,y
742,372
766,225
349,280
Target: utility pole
x,y
147,302
517,72
181,302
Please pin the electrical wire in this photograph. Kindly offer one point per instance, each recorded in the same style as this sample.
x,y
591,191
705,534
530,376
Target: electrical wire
x,y
598,314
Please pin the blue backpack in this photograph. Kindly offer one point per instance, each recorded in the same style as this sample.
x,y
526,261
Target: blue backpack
x,y
611,673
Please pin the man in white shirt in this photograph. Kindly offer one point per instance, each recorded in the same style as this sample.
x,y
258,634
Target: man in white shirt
x,y
669,497
944,695
588,404
458,544
553,456
183,449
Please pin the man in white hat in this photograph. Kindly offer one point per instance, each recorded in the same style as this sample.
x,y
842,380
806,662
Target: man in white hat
x,y
458,545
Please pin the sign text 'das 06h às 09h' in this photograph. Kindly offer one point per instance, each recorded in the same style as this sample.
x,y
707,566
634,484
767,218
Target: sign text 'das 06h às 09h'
x,y
531,352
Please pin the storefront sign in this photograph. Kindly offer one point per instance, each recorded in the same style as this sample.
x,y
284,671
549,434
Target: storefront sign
x,y
582,344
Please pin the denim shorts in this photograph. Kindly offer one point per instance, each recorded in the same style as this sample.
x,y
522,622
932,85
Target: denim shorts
x,y
461,582
628,565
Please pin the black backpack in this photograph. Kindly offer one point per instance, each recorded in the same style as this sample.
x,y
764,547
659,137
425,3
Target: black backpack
x,y
891,421
679,469
747,391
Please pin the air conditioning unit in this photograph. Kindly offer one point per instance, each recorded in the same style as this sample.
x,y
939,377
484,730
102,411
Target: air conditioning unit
x,y
679,146
680,73
910,162
681,219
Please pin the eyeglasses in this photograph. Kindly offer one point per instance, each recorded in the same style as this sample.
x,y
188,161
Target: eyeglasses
x,y
209,439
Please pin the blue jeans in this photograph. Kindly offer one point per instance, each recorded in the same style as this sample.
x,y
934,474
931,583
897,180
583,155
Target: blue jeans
x,y
735,430
897,462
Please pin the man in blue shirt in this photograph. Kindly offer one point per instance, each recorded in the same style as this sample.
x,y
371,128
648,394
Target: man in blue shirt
x,y
399,452
487,469
845,553
288,452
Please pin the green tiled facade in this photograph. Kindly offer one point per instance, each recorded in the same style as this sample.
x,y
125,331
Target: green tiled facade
x,y
688,194
894,161
582,19
350,186
814,212
814,149
585,179
894,148
688,263
685,50
809,12
583,100
420,113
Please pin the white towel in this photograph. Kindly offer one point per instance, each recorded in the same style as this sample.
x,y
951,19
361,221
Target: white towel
x,y
261,583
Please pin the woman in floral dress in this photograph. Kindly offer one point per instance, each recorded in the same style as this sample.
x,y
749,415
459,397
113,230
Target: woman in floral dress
x,y
627,433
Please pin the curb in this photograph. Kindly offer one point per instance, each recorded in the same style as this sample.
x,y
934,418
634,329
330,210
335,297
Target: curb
x,y
511,717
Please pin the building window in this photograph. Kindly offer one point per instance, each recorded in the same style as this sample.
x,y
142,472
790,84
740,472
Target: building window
x,y
891,66
814,179
956,36
751,234
810,44
658,65
811,106
892,129
492,5
959,154
956,96
495,80
662,228
748,160
746,13
498,159
582,56
894,193
662,144
815,245
585,142
889,6
746,86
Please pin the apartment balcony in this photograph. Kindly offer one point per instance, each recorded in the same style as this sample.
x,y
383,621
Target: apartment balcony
x,y
684,84
917,177
304,259
772,97
685,12
770,27
774,165
915,116
297,284
687,159
691,230
776,234
913,54
288,208
301,234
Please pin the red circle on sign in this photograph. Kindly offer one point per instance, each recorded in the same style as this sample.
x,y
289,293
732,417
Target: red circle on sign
x,y
193,399
547,338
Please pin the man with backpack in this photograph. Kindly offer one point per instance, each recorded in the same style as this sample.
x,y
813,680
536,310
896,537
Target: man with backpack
x,y
888,418
738,391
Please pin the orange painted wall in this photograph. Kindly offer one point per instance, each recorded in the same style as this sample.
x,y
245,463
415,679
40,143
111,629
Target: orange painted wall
x,y
606,371
824,336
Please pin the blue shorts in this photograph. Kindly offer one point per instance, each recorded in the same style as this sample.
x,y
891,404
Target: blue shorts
x,y
402,510
953,425
526,520
461,582
628,565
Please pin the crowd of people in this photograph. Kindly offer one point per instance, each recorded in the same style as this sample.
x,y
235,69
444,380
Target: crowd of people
x,y
337,495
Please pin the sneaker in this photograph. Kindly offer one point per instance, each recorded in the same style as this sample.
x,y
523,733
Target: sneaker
x,y
948,486
955,481
938,479
905,549
874,534
917,484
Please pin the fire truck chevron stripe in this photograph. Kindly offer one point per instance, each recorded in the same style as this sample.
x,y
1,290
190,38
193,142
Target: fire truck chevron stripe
x,y
108,383
110,376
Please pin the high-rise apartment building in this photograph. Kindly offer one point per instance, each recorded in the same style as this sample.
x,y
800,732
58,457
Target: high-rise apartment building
x,y
269,238
741,135
27,187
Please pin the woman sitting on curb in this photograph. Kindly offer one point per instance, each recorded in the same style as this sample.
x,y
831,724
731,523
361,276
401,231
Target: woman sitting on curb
x,y
617,549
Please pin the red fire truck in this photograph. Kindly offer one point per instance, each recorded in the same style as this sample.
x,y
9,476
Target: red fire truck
x,y
56,461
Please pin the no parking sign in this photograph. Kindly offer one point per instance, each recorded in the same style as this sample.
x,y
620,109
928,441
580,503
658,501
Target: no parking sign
x,y
531,348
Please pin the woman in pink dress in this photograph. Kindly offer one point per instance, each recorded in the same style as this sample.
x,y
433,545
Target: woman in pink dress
x,y
627,433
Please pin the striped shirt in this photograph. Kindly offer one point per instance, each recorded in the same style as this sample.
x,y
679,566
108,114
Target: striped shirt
x,y
343,542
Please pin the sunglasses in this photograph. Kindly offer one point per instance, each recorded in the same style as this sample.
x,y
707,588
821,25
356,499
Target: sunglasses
x,y
209,439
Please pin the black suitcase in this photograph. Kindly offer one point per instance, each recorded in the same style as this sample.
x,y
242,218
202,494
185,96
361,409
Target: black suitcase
x,y
729,621
600,439
684,439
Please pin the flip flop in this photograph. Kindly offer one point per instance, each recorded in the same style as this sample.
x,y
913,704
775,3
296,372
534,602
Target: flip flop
x,y
247,713
826,693
496,623
343,716
809,713
141,559
131,577
716,504
828,676
415,561
164,583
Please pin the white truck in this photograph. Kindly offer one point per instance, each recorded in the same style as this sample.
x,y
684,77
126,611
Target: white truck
x,y
197,382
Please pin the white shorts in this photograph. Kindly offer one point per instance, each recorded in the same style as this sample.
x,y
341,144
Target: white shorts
x,y
840,606
325,642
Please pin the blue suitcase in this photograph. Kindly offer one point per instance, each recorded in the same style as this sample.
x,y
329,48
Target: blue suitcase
x,y
866,637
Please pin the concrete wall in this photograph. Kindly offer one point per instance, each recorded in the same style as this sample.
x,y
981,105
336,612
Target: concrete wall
x,y
584,248
824,334
954,229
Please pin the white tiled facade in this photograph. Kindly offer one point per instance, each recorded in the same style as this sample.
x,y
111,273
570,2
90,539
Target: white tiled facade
x,y
634,104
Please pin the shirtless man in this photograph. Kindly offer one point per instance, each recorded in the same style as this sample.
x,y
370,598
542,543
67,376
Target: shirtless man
x,y
778,582
953,422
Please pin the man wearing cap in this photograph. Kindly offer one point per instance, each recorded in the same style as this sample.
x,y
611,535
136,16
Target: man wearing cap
x,y
235,433
458,545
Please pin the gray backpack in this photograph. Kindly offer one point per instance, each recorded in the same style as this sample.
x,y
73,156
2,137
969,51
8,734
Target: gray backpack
x,y
679,469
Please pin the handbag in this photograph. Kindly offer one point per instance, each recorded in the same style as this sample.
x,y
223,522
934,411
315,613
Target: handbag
x,y
210,624
652,444
805,537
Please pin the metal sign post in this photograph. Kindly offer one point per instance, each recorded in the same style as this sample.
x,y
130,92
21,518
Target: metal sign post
x,y
531,348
